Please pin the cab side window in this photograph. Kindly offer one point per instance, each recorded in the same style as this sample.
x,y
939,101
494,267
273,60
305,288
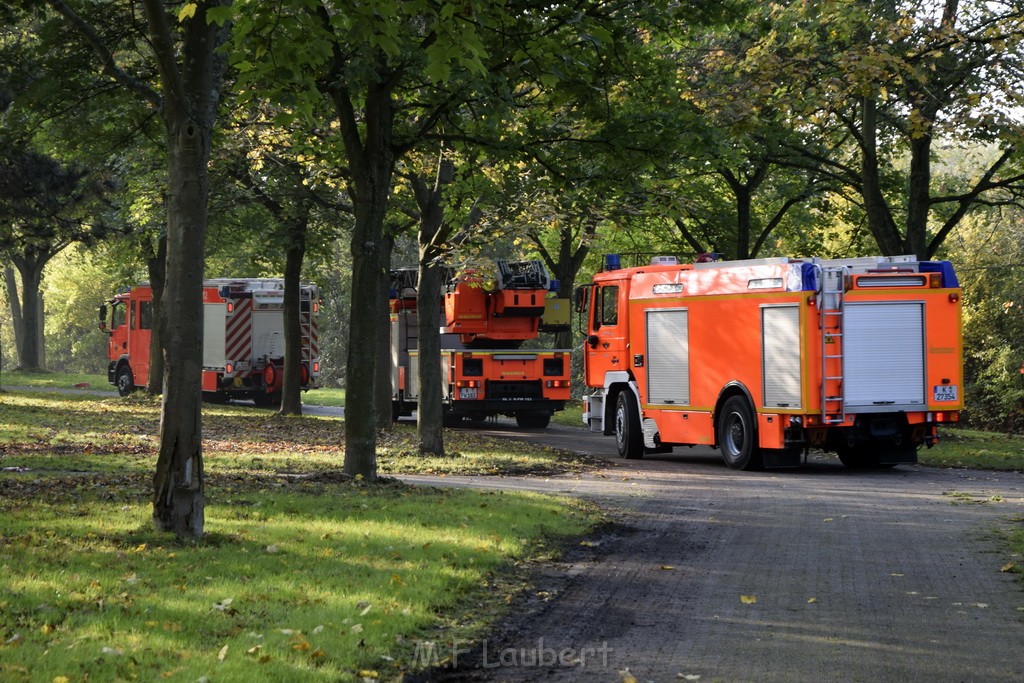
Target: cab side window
x,y
609,306
117,316
145,315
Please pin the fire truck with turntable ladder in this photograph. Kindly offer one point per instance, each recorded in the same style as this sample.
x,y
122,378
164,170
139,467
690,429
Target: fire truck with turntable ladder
x,y
486,319
766,358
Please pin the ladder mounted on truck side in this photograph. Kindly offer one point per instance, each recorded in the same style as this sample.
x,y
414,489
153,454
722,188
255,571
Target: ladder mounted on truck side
x,y
830,304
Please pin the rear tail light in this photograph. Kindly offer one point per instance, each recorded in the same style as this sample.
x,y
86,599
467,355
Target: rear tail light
x,y
229,367
316,366
557,383
303,375
468,383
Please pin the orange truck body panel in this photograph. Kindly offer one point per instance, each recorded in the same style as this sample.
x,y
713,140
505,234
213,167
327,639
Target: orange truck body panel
x,y
826,353
243,336
484,369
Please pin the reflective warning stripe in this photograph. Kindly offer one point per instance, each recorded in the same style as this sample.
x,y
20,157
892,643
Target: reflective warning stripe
x,y
238,345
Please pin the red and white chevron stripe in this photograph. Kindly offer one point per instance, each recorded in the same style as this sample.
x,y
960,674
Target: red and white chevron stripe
x,y
238,337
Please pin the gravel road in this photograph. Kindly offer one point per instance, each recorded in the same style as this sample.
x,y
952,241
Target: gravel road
x,y
820,573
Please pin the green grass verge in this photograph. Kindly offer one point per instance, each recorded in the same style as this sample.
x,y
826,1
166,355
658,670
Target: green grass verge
x,y
572,416
325,396
301,576
970,448
54,380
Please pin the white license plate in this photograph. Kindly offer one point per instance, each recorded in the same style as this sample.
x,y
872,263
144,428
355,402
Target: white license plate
x,y
945,393
467,393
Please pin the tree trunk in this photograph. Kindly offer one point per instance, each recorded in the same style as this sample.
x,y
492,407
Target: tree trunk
x,y
31,270
383,390
15,302
179,493
360,372
430,410
157,267
919,193
880,220
371,165
41,332
190,105
291,391
743,202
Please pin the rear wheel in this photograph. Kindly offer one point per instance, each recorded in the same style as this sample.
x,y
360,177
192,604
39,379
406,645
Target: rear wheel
x,y
628,437
125,380
737,435
533,420
265,400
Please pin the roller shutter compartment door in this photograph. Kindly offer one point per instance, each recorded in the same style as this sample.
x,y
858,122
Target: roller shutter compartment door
x,y
883,350
780,340
668,357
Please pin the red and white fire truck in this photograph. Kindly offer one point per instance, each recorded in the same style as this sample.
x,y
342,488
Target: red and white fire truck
x,y
766,358
243,338
486,319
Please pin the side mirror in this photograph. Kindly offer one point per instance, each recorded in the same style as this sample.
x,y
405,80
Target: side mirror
x,y
579,298
103,317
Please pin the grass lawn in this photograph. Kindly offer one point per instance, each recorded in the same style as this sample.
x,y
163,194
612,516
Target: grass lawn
x,y
55,380
971,448
302,575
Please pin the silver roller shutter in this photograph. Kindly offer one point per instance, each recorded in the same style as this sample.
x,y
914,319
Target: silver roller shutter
x,y
668,357
780,344
883,350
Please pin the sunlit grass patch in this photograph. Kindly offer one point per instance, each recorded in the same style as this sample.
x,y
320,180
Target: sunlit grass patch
x,y
55,380
316,581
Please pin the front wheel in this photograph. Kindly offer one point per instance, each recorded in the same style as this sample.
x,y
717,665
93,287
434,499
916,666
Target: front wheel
x,y
737,435
628,437
125,380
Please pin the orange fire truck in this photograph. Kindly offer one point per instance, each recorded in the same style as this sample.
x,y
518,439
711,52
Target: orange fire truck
x,y
766,358
486,319
243,338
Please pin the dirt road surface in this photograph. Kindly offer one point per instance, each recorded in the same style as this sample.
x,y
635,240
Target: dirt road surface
x,y
710,574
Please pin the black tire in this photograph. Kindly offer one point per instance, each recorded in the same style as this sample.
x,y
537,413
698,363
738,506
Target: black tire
x,y
265,400
451,420
629,439
125,380
737,435
533,420
396,411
